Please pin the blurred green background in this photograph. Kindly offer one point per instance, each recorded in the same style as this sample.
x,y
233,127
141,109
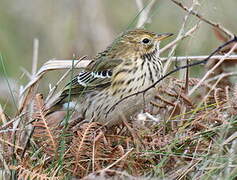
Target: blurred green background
x,y
85,27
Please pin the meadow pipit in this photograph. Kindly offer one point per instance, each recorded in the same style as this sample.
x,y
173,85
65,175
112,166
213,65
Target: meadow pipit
x,y
130,64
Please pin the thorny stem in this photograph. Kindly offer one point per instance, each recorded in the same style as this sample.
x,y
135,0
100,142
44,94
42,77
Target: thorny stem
x,y
204,61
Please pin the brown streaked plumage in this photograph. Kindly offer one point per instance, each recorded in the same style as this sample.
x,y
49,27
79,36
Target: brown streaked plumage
x,y
130,64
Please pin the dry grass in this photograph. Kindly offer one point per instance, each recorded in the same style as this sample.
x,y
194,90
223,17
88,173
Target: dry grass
x,y
188,131
177,139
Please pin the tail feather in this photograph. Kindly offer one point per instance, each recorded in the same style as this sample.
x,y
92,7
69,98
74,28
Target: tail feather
x,y
55,104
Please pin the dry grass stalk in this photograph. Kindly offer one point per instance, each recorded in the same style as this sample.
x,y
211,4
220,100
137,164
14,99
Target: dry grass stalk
x,y
173,43
211,70
144,12
48,66
35,56
179,35
118,160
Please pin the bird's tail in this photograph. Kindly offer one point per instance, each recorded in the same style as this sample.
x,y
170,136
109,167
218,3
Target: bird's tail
x,y
55,104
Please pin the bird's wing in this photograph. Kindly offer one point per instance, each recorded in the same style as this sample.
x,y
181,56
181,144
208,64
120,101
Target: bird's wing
x,y
96,77
103,64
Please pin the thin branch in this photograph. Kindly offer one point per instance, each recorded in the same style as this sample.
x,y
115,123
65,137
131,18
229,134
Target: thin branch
x,y
199,58
214,24
212,69
173,43
221,76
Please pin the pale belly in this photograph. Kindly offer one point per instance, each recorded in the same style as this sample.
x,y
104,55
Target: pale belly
x,y
110,110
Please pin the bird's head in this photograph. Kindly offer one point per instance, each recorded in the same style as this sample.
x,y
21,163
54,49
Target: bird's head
x,y
139,42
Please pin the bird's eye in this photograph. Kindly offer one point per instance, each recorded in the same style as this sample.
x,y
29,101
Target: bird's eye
x,y
146,40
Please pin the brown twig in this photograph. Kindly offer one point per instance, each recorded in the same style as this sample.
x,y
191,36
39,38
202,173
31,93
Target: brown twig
x,y
214,24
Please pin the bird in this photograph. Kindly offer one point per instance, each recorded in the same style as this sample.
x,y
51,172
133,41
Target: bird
x,y
129,65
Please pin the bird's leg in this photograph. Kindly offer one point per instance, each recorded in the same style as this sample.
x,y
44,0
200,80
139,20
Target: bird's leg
x,y
144,102
136,138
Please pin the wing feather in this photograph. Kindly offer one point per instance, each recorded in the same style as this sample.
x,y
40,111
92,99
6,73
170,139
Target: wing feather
x,y
96,77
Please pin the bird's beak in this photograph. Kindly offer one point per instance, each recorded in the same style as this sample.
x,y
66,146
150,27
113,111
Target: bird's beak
x,y
163,36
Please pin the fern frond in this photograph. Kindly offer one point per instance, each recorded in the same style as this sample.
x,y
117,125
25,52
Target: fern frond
x,y
32,174
82,146
47,134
